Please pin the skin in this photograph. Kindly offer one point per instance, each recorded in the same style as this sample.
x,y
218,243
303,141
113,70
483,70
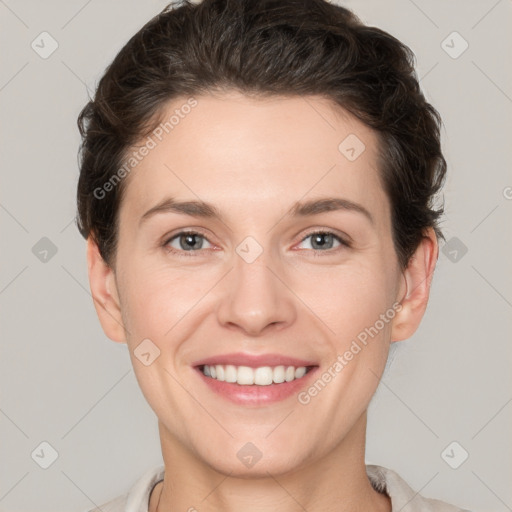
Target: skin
x,y
253,159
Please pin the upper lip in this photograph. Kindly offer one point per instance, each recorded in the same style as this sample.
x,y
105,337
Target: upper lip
x,y
254,360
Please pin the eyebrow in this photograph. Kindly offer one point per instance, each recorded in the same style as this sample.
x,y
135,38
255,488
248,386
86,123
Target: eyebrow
x,y
299,209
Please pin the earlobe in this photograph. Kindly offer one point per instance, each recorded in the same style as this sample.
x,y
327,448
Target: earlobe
x,y
418,277
104,293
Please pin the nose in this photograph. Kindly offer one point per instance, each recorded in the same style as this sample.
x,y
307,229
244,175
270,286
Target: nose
x,y
256,298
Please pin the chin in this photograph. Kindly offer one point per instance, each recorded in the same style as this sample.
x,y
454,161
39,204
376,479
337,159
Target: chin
x,y
258,468
255,459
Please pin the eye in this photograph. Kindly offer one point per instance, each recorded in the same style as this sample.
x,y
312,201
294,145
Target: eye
x,y
185,241
322,241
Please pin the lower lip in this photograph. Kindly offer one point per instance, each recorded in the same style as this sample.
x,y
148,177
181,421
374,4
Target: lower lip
x,y
256,395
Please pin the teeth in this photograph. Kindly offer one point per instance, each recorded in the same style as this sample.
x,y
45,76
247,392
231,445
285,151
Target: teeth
x,y
263,376
279,374
300,372
230,373
246,376
290,374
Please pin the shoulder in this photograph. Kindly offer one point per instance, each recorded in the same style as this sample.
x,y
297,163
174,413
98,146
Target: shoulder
x,y
137,499
403,497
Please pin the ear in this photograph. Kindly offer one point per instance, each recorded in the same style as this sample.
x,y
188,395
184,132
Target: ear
x,y
418,276
104,293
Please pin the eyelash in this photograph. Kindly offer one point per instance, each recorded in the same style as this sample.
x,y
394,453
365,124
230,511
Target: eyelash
x,y
188,254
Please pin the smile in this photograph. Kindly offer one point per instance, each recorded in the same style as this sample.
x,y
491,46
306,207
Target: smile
x,y
260,376
255,379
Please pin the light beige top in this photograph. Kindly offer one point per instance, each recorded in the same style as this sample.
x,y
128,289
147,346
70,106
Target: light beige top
x,y
403,498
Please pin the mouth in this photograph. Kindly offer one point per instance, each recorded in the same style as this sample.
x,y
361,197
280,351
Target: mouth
x,y
260,376
255,379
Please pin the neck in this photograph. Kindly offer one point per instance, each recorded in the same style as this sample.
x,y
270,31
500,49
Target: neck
x,y
334,482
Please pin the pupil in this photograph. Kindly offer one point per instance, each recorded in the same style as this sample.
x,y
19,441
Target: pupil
x,y
318,239
190,239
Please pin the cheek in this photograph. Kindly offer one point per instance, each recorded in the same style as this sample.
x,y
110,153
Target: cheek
x,y
351,297
156,299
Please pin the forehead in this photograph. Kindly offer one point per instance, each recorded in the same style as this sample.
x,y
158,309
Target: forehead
x,y
230,149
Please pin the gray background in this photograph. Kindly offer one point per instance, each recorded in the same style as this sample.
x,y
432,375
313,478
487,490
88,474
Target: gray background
x,y
64,382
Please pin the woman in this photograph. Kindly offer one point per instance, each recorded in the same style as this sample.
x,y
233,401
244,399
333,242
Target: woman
x,y
256,190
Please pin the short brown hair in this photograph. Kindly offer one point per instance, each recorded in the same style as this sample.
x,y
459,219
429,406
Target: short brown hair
x,y
265,48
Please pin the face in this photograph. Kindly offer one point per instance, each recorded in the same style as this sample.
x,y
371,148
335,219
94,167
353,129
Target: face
x,y
255,238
